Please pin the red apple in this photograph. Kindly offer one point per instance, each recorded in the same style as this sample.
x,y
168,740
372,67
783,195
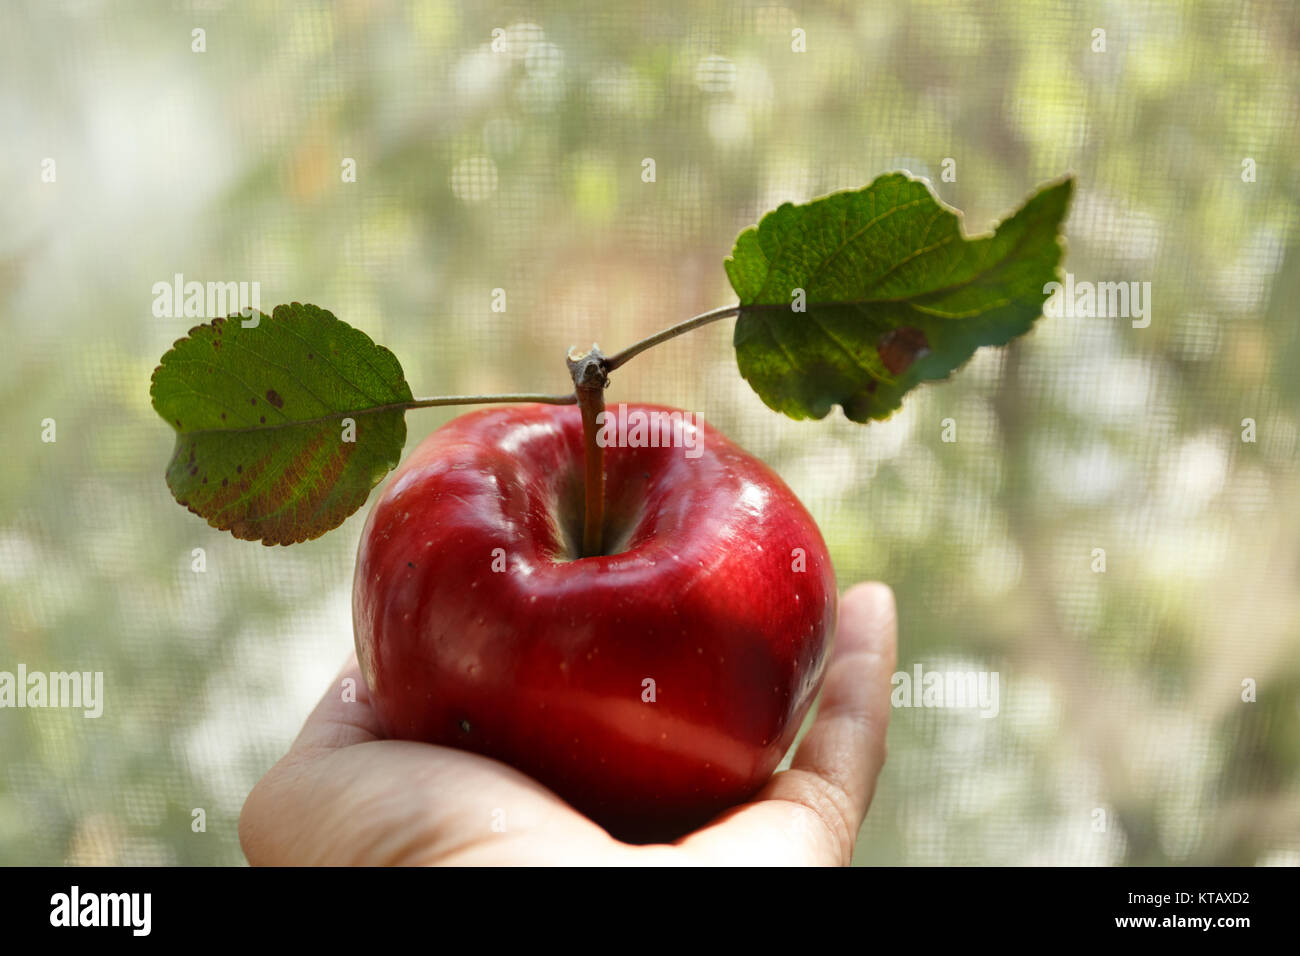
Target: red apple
x,y
652,686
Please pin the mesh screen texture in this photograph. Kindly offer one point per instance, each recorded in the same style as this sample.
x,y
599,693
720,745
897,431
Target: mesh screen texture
x,y
1122,736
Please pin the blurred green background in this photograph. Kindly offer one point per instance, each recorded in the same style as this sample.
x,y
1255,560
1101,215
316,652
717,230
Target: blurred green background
x,y
520,168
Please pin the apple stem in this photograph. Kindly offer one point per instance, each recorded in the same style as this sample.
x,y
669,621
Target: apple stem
x,y
704,318
441,400
590,372
589,381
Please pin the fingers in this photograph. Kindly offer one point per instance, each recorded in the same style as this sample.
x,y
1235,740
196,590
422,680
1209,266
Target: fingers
x,y
385,802
343,717
811,813
835,768
399,803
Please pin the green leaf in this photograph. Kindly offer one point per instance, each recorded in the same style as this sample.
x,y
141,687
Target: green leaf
x,y
259,414
894,293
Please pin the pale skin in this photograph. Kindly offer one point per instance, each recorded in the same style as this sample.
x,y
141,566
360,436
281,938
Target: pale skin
x,y
343,795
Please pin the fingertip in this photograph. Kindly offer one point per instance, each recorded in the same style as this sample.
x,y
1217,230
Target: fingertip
x,y
868,617
876,593
343,716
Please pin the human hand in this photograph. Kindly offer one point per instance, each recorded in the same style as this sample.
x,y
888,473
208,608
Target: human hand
x,y
344,795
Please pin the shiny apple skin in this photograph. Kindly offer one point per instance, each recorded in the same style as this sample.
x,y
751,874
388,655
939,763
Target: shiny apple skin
x,y
544,665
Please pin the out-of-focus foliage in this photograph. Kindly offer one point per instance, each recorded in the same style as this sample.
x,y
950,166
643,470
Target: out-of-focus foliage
x,y
1121,737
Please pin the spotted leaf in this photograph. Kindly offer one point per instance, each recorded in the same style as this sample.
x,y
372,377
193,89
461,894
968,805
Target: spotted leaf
x,y
855,298
283,424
